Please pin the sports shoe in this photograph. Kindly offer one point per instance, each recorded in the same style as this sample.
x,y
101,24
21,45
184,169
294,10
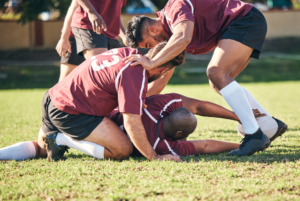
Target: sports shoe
x,y
282,127
54,152
251,145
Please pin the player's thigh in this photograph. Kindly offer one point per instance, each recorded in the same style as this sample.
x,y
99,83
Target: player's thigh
x,y
88,53
110,136
228,56
65,69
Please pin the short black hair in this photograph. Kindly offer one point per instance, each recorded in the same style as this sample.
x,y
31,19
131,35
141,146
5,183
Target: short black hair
x,y
180,119
136,27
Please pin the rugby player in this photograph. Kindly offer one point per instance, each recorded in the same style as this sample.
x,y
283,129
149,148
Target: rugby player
x,y
96,25
172,113
96,43
235,29
66,46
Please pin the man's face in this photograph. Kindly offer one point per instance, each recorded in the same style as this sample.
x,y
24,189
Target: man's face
x,y
151,39
156,74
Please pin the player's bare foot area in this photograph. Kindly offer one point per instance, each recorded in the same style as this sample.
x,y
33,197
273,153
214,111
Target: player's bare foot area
x,y
282,128
54,152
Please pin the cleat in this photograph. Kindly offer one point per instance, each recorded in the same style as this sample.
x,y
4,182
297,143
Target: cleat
x,y
54,152
282,127
249,146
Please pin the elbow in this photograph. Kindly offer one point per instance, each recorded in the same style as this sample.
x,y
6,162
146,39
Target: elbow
x,y
186,40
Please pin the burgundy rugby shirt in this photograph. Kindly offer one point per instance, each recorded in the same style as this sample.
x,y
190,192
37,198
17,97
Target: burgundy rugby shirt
x,y
100,84
159,106
210,18
110,11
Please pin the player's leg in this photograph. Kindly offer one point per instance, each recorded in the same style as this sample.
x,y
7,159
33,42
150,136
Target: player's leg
x,y
89,43
111,141
70,61
213,146
23,151
229,55
65,69
105,141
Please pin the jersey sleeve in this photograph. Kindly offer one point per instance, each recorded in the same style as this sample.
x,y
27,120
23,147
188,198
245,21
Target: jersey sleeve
x,y
177,148
179,11
132,89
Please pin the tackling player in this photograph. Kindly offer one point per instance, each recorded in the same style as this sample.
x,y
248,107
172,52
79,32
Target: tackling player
x,y
235,29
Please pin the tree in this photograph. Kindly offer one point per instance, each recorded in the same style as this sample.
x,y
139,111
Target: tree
x,y
30,9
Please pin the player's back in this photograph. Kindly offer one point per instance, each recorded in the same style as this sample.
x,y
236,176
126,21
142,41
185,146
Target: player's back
x,y
92,88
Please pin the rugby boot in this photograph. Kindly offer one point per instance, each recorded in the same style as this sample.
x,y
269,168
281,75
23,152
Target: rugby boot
x,y
282,127
251,145
54,151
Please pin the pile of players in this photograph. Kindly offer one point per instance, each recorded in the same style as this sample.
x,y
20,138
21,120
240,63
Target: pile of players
x,y
110,106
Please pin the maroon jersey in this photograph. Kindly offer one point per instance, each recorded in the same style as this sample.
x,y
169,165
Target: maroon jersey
x,y
110,11
100,84
159,106
210,18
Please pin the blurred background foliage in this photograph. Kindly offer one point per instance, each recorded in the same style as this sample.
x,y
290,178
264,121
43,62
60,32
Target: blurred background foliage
x,y
29,10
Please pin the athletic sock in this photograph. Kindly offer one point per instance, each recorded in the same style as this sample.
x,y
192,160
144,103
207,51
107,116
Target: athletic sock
x,y
236,98
19,151
254,104
89,148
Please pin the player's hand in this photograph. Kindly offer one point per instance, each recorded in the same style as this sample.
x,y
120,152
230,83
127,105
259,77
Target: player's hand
x,y
167,157
257,113
63,46
97,22
138,59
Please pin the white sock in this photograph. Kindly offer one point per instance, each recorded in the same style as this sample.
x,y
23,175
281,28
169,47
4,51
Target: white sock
x,y
19,151
89,148
254,104
236,98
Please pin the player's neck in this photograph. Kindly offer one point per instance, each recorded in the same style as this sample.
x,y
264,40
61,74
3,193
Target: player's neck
x,y
166,129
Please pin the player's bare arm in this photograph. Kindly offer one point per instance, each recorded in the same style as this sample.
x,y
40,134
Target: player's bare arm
x,y
96,20
63,44
122,33
208,109
136,131
158,85
213,146
182,36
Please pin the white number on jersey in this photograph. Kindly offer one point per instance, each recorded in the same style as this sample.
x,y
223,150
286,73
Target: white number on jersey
x,y
105,63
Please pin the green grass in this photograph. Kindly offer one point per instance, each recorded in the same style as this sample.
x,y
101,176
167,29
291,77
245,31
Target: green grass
x,y
271,175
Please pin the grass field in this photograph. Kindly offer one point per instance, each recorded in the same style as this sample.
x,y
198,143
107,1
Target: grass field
x,y
271,175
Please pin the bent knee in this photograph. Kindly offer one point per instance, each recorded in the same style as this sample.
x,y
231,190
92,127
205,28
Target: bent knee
x,y
124,151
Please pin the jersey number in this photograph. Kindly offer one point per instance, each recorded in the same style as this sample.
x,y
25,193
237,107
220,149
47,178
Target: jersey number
x,y
105,63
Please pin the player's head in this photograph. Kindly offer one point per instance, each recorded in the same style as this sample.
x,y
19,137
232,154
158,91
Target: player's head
x,y
144,32
164,68
179,124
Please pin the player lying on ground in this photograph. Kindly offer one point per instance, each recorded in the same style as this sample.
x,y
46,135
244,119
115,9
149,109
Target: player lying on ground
x,y
97,25
78,104
172,113
235,29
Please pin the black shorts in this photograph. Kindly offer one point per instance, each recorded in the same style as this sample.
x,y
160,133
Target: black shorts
x,y
73,57
87,39
77,127
250,30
